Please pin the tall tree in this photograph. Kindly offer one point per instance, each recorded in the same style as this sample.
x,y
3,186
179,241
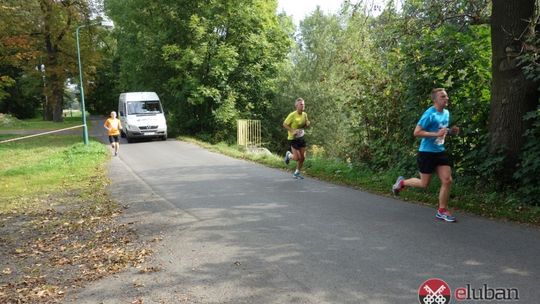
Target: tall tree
x,y
512,94
59,18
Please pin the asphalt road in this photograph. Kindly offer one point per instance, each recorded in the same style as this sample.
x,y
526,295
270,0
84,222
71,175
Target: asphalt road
x,y
237,232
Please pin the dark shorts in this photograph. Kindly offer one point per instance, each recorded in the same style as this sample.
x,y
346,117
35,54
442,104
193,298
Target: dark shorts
x,y
297,143
429,161
113,138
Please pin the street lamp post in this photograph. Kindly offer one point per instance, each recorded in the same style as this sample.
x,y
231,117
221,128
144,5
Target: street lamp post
x,y
81,86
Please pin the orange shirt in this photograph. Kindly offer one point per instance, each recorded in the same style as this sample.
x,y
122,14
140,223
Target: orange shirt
x,y
114,126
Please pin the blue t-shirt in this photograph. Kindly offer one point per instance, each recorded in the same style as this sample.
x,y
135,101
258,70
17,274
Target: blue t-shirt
x,y
432,121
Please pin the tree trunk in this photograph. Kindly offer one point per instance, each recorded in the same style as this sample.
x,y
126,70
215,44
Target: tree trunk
x,y
56,101
58,104
47,114
511,94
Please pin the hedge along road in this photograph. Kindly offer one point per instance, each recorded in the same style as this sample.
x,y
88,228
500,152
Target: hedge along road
x,y
232,231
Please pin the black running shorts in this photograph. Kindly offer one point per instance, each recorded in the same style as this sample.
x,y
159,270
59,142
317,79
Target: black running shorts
x,y
113,138
297,143
428,161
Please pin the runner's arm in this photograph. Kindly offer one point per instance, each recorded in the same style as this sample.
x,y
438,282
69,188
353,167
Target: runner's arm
x,y
419,132
288,127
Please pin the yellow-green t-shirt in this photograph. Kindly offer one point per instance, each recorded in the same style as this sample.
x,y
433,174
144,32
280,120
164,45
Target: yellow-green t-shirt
x,y
295,121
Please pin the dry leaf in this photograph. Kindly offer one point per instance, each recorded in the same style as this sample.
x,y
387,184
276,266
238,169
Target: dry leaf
x,y
149,269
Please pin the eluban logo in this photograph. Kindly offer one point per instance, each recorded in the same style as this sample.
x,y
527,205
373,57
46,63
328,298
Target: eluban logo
x,y
486,293
434,291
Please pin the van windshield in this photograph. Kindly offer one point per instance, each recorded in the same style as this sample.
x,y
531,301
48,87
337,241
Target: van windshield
x,y
143,107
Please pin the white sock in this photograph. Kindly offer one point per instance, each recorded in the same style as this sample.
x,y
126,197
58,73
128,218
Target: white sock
x,y
296,171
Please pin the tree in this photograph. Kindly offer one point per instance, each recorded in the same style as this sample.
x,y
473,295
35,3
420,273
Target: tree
x,y
210,61
512,94
58,20
40,32
18,58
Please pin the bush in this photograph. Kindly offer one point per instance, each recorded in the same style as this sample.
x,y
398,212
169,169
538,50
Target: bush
x,y
7,120
527,174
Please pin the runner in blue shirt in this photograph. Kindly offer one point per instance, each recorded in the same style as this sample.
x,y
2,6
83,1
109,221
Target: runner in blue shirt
x,y
432,157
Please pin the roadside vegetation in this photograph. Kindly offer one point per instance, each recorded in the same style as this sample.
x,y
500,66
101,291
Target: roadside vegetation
x,y
57,222
8,122
485,202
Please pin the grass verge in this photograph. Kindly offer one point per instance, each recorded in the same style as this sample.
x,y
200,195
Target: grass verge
x,y
40,124
57,222
464,197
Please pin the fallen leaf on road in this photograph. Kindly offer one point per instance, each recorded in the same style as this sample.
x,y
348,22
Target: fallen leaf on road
x,y
138,285
149,269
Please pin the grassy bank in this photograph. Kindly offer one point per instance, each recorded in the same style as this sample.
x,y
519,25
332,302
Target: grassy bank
x,y
464,197
38,123
57,221
44,165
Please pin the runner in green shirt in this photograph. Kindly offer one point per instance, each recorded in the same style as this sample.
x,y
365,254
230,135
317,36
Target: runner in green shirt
x,y
295,123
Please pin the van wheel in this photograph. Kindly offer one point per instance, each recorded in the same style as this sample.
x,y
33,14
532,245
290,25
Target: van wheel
x,y
164,137
122,134
129,140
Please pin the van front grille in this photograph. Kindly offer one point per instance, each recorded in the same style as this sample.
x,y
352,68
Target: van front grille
x,y
148,127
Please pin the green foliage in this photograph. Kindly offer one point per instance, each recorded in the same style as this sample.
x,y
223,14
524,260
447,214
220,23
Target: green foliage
x,y
24,96
103,96
339,72
460,62
365,92
529,58
211,62
527,174
7,121
5,82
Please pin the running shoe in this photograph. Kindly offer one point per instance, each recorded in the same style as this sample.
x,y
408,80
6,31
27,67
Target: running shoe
x,y
398,186
297,175
445,216
287,157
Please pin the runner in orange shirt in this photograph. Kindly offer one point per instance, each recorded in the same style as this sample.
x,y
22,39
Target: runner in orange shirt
x,y
113,126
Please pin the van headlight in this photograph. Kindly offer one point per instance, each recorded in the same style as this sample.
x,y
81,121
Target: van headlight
x,y
132,128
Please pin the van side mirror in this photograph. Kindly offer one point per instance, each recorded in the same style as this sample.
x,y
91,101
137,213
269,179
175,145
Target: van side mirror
x,y
121,113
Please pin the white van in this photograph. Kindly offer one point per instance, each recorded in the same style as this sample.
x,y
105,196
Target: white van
x,y
141,114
